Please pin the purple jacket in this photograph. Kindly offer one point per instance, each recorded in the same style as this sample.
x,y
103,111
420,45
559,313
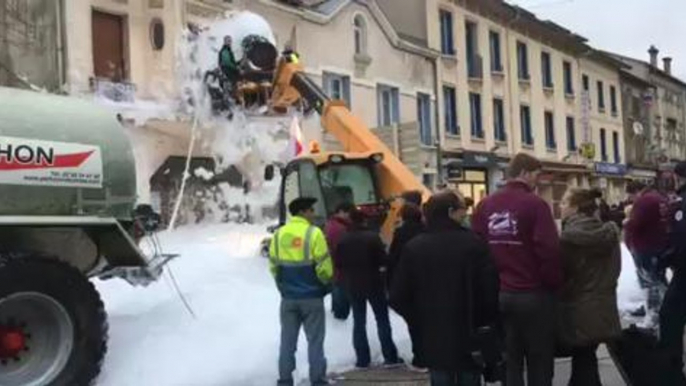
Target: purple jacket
x,y
522,236
646,232
334,230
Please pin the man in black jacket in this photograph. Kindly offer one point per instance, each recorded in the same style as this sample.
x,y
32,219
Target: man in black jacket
x,y
411,227
673,311
448,283
360,257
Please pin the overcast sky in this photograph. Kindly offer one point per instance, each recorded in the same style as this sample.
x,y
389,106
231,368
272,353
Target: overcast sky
x,y
627,27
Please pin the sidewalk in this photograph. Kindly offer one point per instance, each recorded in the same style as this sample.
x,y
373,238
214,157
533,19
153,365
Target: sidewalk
x,y
402,377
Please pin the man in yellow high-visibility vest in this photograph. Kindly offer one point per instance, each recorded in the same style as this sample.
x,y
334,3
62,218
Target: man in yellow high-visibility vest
x,y
301,265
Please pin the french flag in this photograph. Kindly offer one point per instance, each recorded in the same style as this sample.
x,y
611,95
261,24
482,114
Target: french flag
x,y
296,141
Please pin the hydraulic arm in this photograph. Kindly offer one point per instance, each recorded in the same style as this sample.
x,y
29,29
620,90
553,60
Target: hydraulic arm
x,y
291,84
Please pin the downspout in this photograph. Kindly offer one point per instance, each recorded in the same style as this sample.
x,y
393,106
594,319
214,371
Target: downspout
x,y
61,44
437,117
510,89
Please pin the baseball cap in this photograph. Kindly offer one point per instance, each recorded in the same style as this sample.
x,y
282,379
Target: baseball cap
x,y
301,204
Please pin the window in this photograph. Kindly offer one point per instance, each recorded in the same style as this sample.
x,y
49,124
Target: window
x,y
547,71
586,82
613,100
337,86
450,106
496,54
389,109
571,135
603,145
615,146
499,120
447,43
550,142
360,28
569,85
525,121
352,183
523,61
424,119
475,108
157,33
474,69
601,97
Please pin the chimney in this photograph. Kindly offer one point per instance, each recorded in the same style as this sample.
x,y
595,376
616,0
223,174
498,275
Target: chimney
x,y
653,51
668,65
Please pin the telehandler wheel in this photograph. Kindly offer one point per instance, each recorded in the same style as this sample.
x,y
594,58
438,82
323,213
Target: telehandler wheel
x,y
53,325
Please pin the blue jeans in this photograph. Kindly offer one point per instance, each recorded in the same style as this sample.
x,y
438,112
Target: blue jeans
x,y
310,314
651,278
447,378
383,325
340,305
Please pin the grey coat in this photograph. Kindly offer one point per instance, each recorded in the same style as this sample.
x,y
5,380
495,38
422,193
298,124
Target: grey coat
x,y
591,257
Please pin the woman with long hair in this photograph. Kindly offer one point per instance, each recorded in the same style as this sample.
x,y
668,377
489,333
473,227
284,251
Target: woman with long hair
x,y
592,264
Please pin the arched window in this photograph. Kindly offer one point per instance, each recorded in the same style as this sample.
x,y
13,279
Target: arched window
x,y
360,28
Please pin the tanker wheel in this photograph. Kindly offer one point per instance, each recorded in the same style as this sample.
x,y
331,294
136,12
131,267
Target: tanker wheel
x,y
53,326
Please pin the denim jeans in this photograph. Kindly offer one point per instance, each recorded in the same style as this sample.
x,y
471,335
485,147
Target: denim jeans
x,y
340,305
310,314
383,325
447,378
651,278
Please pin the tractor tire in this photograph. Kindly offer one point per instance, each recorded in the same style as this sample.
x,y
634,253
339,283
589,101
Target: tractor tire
x,y
53,325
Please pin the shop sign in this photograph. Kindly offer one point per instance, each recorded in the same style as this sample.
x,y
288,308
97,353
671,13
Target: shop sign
x,y
478,159
610,168
587,150
454,171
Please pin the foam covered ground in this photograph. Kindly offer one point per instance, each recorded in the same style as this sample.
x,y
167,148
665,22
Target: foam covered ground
x,y
234,339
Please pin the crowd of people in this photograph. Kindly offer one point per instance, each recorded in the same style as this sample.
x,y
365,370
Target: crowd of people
x,y
497,295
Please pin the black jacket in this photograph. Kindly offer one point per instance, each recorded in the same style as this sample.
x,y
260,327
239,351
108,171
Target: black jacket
x,y
432,287
359,257
676,255
406,232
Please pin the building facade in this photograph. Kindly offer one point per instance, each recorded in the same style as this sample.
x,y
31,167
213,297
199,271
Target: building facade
x,y
656,127
510,82
355,54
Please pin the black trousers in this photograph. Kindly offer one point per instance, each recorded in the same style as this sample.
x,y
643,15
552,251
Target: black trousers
x,y
585,367
416,339
529,323
672,322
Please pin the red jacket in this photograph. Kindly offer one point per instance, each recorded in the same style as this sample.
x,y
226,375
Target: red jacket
x,y
647,231
522,236
334,230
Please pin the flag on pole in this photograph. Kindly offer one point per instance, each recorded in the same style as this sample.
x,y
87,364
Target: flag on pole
x,y
296,142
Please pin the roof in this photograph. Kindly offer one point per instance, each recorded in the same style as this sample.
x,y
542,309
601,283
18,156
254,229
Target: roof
x,y
527,22
324,156
631,62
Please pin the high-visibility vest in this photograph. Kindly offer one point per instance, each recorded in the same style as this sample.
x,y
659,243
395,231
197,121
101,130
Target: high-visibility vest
x,y
299,260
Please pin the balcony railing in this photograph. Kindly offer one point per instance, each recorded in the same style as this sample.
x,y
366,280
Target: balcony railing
x,y
114,91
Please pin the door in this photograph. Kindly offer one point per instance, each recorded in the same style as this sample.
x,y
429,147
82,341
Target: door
x,y
108,46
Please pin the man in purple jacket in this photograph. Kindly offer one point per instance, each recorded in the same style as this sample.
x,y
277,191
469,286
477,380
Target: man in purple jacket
x,y
522,236
647,236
